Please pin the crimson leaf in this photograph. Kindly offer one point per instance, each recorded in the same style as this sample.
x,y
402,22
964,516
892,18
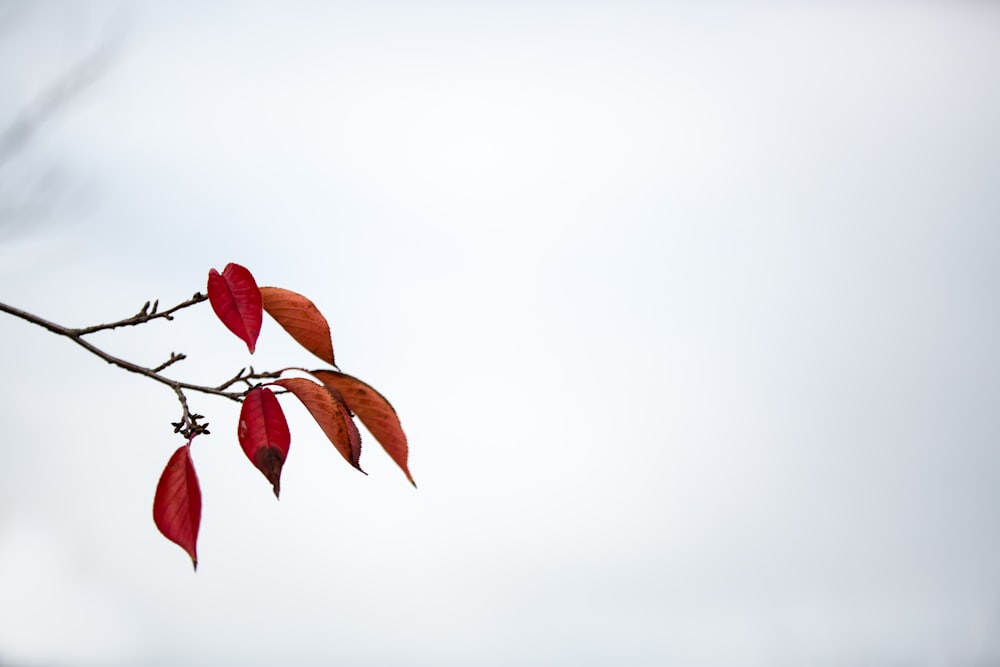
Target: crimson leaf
x,y
263,434
177,504
236,300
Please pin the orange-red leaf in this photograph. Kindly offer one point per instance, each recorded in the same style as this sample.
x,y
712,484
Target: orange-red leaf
x,y
177,504
263,434
375,412
236,300
330,412
301,319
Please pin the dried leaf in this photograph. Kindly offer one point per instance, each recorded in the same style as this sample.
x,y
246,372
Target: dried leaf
x,y
301,319
375,412
236,299
331,413
263,434
177,504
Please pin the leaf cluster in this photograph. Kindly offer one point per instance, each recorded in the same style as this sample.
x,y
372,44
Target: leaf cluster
x,y
332,397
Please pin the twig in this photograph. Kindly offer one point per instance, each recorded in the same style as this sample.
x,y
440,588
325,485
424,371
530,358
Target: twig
x,y
174,358
188,426
251,374
76,335
144,315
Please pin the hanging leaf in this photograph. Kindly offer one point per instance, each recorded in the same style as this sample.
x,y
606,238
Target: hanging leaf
x,y
375,412
177,504
263,434
301,319
236,300
331,413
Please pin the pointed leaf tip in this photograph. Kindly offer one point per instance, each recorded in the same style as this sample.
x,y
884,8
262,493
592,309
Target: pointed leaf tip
x,y
269,461
177,503
236,300
374,411
301,319
263,434
331,413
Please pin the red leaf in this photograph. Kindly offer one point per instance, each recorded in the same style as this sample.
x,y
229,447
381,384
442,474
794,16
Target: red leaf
x,y
263,434
301,319
236,300
332,415
177,504
375,412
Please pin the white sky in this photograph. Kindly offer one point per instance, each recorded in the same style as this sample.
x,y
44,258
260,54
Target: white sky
x,y
690,312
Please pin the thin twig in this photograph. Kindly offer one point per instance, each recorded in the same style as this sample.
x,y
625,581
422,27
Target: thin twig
x,y
76,335
233,380
174,358
189,425
143,316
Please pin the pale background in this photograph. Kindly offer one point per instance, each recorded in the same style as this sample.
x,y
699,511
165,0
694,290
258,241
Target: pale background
x,y
690,310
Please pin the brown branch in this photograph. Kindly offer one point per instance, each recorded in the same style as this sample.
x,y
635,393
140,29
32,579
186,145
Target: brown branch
x,y
77,337
189,425
144,315
174,358
233,380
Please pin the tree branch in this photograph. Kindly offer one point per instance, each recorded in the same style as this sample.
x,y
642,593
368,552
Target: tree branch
x,y
174,358
144,315
189,424
76,335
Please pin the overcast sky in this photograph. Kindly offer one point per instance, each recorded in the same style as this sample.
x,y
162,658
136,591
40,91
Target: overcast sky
x,y
690,312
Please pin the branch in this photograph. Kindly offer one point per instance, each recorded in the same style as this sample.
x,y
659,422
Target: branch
x,y
144,315
76,335
247,374
188,426
174,358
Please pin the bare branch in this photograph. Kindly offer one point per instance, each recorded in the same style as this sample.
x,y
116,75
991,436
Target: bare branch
x,y
188,426
143,316
247,374
174,358
153,374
